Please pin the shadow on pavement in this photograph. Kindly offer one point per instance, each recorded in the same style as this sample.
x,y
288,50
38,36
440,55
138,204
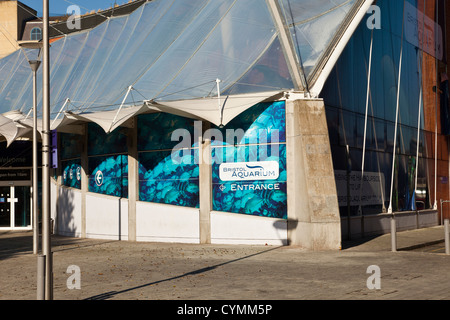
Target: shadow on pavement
x,y
110,294
13,243
347,244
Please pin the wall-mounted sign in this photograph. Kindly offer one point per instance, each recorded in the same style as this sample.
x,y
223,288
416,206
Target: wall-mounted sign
x,y
372,192
249,171
15,175
423,32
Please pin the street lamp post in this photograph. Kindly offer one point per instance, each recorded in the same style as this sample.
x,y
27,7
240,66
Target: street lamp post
x,y
34,64
46,241
45,265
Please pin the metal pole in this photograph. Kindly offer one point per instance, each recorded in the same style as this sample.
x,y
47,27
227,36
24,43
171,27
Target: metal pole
x,y
41,277
46,245
447,236
34,67
393,234
349,170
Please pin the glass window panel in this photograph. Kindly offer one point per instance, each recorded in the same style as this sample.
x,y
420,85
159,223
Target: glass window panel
x,y
71,145
100,143
5,207
155,131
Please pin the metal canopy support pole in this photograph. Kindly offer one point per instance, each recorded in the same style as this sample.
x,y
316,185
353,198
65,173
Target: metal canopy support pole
x,y
218,94
46,241
436,114
60,110
420,59
393,222
121,106
369,72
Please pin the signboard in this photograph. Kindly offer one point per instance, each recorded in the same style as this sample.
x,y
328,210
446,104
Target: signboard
x,y
249,171
372,192
15,175
54,150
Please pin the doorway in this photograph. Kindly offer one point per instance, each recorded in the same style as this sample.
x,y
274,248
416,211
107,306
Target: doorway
x,y
15,207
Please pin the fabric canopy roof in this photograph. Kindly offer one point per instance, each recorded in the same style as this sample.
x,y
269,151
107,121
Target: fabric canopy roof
x,y
205,59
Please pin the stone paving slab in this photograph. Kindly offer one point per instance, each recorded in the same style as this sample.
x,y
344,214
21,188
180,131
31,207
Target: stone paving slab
x,y
120,270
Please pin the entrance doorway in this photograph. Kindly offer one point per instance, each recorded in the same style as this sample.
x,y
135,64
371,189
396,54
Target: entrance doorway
x,y
15,207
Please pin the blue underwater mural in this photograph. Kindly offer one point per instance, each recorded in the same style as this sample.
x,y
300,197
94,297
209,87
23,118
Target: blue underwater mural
x,y
72,173
263,141
169,177
109,175
262,123
266,198
164,178
256,139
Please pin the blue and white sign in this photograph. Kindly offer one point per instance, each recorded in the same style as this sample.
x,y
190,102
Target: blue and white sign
x,y
99,178
249,171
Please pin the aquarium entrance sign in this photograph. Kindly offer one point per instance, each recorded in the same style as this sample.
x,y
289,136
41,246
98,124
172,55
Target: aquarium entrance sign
x,y
248,171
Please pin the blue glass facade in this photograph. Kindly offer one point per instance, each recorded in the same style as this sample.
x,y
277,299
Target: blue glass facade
x,y
345,94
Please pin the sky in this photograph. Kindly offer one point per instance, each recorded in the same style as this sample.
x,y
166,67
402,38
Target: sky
x,y
59,7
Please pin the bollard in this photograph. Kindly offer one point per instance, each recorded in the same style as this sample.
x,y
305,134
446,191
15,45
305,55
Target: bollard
x,y
41,277
447,236
393,234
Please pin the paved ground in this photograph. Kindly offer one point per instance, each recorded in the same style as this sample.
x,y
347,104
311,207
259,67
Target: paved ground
x,y
119,270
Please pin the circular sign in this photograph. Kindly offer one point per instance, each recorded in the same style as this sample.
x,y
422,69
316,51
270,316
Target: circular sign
x,y
78,173
99,178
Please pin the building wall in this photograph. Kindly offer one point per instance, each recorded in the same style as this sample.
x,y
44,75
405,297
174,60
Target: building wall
x,y
13,15
345,95
252,211
9,28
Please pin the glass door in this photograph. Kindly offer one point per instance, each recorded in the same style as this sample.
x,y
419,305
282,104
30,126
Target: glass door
x,y
15,207
5,207
22,207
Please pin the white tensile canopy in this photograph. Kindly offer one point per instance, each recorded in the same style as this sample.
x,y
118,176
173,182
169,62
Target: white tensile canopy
x,y
204,59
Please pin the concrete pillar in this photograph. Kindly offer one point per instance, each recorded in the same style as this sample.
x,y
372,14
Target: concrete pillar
x,y
205,193
133,180
313,210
